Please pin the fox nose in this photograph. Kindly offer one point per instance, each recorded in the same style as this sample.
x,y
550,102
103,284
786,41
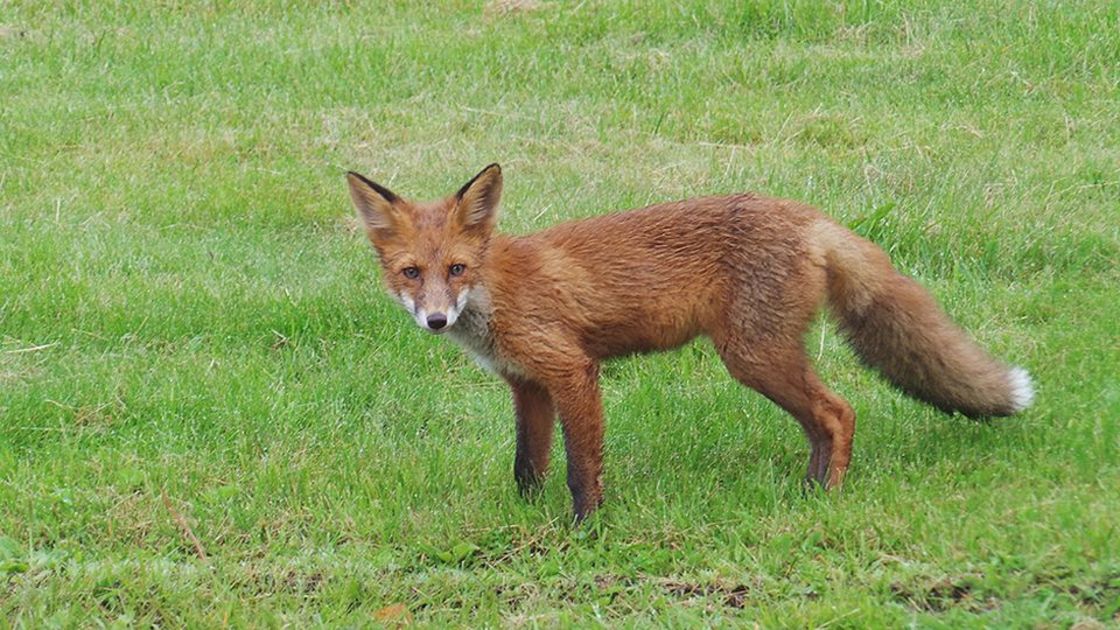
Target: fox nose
x,y
437,321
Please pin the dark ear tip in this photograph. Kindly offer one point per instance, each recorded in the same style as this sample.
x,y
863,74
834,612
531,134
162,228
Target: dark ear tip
x,y
492,170
358,178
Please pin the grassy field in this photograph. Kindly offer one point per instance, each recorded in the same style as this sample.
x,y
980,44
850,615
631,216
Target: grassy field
x,y
193,341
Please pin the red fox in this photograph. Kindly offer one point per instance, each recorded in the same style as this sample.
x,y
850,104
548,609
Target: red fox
x,y
541,311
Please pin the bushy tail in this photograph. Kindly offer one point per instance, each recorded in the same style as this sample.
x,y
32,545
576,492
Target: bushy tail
x,y
897,328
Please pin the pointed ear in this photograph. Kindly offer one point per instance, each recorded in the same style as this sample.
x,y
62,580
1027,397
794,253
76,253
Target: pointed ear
x,y
373,202
477,201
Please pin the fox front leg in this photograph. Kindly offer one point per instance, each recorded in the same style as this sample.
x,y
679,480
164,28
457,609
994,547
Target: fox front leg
x,y
536,418
577,398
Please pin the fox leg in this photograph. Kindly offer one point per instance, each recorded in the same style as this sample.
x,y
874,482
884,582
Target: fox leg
x,y
535,421
784,376
574,388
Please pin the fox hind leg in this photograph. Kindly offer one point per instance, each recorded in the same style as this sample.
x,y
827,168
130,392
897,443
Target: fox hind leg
x,y
783,375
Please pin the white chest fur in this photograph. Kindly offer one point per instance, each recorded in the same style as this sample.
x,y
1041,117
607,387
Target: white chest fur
x,y
472,331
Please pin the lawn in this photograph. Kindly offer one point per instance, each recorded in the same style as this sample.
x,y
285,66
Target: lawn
x,y
211,414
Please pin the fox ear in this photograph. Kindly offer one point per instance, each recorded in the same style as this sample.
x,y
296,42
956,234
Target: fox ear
x,y
477,201
373,202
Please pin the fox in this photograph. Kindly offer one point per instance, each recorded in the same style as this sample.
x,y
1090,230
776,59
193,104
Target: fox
x,y
543,311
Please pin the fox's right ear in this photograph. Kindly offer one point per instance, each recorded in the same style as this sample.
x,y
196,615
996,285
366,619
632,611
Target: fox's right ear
x,y
373,202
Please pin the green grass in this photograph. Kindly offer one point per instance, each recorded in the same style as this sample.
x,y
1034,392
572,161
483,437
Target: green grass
x,y
187,312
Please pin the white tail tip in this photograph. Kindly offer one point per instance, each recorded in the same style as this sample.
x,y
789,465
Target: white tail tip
x,y
1022,388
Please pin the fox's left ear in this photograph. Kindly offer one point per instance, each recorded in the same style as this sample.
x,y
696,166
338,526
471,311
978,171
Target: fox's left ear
x,y
477,201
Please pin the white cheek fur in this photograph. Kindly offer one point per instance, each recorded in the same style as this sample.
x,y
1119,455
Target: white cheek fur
x,y
421,314
457,308
407,302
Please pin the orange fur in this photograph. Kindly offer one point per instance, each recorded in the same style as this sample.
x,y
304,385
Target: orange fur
x,y
750,273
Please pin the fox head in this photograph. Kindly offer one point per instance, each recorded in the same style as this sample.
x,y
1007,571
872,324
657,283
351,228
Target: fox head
x,y
430,253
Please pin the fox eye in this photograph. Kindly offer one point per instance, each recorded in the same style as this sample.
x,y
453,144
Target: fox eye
x,y
411,273
457,269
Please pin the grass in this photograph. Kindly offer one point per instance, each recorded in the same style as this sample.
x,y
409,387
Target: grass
x,y
192,335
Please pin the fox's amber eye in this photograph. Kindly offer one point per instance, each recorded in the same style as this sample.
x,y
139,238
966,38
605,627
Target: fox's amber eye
x,y
411,273
457,269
